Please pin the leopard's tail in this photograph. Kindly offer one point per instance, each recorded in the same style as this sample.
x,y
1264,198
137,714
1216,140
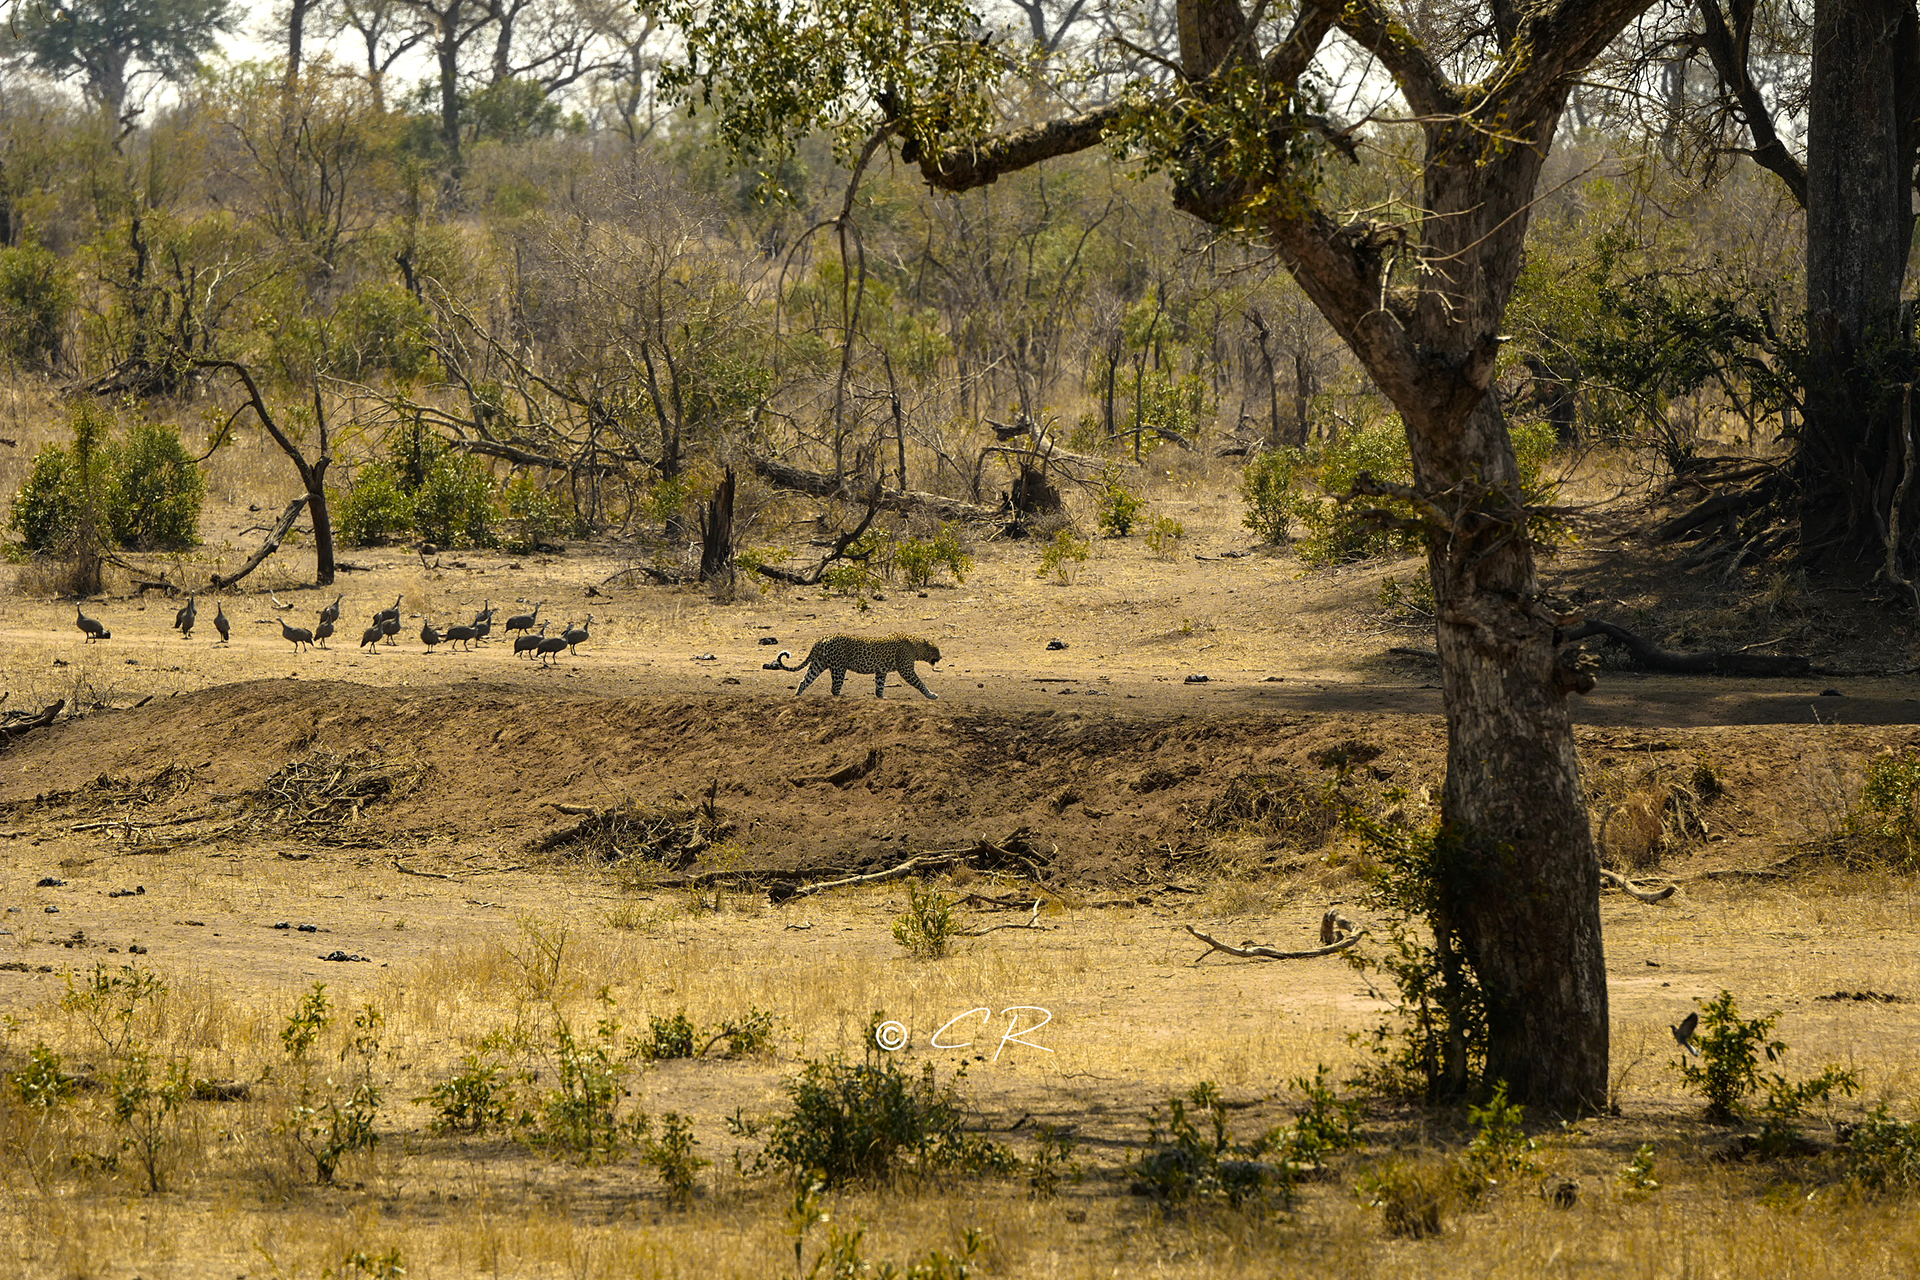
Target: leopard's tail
x,y
779,663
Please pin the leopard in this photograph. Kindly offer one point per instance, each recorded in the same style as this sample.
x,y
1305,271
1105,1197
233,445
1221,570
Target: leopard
x,y
878,658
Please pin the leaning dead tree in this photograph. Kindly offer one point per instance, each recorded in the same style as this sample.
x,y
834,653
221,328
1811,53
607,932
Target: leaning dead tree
x,y
312,472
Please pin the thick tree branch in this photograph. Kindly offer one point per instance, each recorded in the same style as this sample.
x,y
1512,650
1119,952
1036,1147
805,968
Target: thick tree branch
x,y
1729,58
963,168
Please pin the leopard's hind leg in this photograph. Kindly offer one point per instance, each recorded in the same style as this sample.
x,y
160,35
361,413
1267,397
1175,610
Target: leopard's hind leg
x,y
813,673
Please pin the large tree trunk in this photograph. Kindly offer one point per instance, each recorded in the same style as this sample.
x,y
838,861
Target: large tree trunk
x,y
1860,151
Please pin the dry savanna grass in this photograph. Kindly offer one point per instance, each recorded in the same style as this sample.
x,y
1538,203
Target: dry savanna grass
x,y
395,805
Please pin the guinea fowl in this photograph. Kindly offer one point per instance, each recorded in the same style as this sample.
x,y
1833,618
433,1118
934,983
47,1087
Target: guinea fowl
x,y
550,647
577,635
331,614
428,636
390,627
220,621
325,629
91,626
371,637
460,635
299,635
529,642
524,621
183,620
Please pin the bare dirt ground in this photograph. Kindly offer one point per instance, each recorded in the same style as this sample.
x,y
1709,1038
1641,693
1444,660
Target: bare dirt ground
x,y
243,811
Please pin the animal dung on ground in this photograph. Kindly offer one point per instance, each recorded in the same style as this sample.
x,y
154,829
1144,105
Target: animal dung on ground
x,y
1197,678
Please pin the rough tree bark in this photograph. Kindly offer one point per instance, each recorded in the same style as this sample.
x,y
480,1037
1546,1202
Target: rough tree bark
x,y
313,472
1861,138
1522,874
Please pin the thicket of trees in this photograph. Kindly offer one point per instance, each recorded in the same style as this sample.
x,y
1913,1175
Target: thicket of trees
x,y
529,282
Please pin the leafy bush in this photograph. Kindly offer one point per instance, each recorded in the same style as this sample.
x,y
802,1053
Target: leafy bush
x,y
1266,486
672,1038
331,1118
536,515
476,1098
1882,1154
1887,815
1120,507
455,503
1413,1196
1163,539
42,1083
147,1109
671,1156
1063,557
1188,1161
868,1123
581,1115
1500,1148
380,328
1728,1072
35,297
374,510
928,928
145,492
918,559
1637,1174
154,490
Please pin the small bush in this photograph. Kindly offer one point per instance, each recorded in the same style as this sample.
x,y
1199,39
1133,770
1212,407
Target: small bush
x,y
1637,1174
41,1083
477,1098
1413,1196
1408,602
380,328
154,490
928,928
454,504
330,1118
147,1109
671,1156
35,297
1052,1162
1192,1158
537,517
1063,557
1329,1125
1500,1150
1120,507
1728,1072
1266,486
1881,1155
375,510
1163,539
1887,816
918,559
672,1038
581,1115
747,1036
869,1123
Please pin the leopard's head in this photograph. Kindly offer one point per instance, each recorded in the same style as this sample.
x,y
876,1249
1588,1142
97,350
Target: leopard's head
x,y
926,651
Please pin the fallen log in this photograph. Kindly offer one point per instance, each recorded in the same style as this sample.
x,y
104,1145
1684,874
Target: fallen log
x,y
822,485
15,727
267,548
1255,951
1648,656
1626,886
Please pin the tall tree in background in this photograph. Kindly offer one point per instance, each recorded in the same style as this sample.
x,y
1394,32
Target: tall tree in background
x,y
106,44
1419,298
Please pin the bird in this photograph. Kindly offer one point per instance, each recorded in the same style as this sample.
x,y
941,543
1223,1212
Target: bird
x,y
183,620
483,625
549,647
1683,1033
529,642
325,629
91,626
382,615
390,627
524,621
428,636
460,635
577,635
332,612
371,637
220,621
485,614
299,635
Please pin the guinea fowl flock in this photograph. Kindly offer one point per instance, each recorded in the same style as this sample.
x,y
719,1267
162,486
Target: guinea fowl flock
x,y
384,628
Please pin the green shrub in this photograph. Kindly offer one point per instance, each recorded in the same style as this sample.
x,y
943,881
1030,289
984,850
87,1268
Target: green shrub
x,y
147,1109
918,559
380,328
1120,507
1335,533
1887,815
580,1116
672,1038
154,490
331,1117
928,928
537,516
476,1098
1188,1161
1728,1072
50,501
1882,1155
1063,557
41,1083
1163,539
869,1123
1500,1149
35,297
1413,1196
1266,486
375,510
671,1156
454,505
